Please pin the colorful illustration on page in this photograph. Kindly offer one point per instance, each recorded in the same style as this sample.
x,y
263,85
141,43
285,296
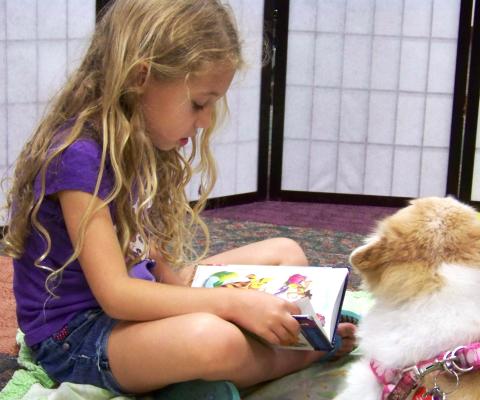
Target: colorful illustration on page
x,y
294,288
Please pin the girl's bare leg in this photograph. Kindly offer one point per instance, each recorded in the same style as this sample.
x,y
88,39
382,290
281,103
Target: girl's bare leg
x,y
149,355
276,251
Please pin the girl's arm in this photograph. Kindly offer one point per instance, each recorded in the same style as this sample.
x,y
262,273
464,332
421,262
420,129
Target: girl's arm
x,y
126,298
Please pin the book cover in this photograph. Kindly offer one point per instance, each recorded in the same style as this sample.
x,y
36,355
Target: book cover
x,y
318,292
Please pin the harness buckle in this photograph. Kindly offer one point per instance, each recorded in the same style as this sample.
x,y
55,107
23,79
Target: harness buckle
x,y
434,366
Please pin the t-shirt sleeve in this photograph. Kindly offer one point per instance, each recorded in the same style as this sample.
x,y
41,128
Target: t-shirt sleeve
x,y
76,168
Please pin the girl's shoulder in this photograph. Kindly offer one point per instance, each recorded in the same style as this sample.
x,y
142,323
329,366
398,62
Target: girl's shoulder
x,y
83,147
86,145
77,166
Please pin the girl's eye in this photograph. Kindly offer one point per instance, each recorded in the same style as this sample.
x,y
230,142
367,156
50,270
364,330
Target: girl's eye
x,y
197,106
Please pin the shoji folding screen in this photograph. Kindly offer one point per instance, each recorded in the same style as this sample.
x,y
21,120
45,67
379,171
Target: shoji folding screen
x,y
40,42
369,93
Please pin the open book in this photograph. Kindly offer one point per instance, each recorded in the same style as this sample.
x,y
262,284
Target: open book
x,y
318,292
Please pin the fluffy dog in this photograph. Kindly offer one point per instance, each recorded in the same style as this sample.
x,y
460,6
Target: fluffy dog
x,y
422,265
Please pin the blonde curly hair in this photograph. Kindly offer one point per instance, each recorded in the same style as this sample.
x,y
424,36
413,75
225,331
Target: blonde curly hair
x,y
175,40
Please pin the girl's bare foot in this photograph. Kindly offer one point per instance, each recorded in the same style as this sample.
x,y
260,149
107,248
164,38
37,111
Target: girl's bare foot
x,y
346,331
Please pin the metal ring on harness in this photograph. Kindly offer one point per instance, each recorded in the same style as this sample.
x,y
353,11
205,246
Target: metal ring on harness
x,y
451,356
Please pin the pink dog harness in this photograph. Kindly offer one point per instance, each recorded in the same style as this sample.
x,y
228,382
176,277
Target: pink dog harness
x,y
399,383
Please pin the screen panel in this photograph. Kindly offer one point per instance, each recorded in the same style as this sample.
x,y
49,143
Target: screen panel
x,y
40,43
369,94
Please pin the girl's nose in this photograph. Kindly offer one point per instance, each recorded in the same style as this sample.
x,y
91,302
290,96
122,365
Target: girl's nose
x,y
204,118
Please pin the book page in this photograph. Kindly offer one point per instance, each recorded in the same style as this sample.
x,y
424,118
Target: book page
x,y
328,292
320,286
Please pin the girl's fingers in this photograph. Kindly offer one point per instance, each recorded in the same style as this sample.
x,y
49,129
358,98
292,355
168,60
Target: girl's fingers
x,y
292,325
284,336
292,308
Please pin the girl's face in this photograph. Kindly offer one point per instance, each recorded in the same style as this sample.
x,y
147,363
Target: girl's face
x,y
174,111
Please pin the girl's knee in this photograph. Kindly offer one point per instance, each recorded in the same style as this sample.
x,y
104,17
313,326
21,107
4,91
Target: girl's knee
x,y
216,342
289,252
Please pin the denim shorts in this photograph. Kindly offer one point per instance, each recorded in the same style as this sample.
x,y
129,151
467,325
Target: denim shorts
x,y
78,352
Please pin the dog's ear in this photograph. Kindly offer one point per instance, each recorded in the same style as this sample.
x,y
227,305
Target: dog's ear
x,y
369,261
367,257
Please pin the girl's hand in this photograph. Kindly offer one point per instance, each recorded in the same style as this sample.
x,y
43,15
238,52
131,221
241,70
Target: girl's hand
x,y
265,315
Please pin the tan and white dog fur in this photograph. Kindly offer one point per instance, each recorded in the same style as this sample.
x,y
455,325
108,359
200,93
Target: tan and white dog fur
x,y
422,265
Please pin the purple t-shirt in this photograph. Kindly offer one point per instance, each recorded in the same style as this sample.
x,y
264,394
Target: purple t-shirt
x,y
39,314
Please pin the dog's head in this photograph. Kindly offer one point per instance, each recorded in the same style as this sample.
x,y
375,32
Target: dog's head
x,y
401,259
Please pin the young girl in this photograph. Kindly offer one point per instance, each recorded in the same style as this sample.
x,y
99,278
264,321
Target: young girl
x,y
105,169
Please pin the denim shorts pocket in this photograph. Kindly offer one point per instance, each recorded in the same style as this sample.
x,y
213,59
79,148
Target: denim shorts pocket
x,y
71,335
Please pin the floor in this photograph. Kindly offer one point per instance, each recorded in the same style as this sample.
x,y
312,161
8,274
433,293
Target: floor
x,y
342,218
